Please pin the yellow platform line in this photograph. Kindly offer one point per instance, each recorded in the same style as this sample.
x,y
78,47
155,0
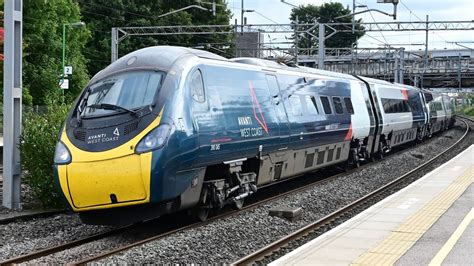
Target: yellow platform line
x,y
448,246
398,242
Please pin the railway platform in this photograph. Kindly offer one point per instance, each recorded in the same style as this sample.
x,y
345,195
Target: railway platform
x,y
430,222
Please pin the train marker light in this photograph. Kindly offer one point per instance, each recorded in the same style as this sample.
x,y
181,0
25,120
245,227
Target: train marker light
x,y
156,139
62,154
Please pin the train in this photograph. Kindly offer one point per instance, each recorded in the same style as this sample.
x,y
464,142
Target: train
x,y
167,128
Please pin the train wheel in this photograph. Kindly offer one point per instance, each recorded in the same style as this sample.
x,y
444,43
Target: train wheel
x,y
202,213
238,204
357,164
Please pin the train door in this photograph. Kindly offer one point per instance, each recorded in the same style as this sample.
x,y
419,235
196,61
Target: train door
x,y
284,127
280,159
376,118
424,107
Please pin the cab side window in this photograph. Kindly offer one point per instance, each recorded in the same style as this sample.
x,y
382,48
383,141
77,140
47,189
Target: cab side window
x,y
296,106
311,105
197,87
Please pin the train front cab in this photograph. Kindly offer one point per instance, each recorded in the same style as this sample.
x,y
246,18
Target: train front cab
x,y
112,165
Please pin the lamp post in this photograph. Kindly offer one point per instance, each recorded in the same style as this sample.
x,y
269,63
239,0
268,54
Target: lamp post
x,y
72,25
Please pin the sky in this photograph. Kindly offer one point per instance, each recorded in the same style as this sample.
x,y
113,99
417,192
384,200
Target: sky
x,y
274,11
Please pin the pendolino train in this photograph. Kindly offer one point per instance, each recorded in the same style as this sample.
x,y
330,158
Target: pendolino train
x,y
170,128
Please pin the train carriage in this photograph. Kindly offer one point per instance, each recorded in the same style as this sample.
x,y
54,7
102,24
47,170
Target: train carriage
x,y
170,128
436,110
449,108
402,112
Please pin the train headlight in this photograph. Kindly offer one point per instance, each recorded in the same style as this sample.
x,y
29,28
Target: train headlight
x,y
62,154
156,139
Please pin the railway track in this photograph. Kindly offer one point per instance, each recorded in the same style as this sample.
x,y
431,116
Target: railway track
x,y
294,240
69,245
466,117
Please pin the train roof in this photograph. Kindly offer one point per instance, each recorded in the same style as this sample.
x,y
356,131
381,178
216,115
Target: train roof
x,y
163,58
158,57
279,66
384,82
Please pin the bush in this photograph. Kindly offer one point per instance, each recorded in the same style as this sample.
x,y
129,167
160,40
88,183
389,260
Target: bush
x,y
470,112
38,141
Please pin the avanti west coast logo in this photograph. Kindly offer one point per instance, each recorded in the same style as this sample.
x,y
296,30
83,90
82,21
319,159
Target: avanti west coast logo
x,y
103,137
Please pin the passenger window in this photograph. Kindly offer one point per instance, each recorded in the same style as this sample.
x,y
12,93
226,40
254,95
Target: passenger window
x,y
326,105
337,105
391,108
428,97
348,103
197,87
311,104
397,107
296,107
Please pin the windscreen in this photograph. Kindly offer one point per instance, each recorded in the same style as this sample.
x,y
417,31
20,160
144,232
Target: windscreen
x,y
132,91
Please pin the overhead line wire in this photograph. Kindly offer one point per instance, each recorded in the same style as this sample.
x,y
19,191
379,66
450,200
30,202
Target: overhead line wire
x,y
414,14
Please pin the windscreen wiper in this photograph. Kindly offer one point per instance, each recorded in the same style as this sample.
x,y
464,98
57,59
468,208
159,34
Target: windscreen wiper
x,y
81,106
108,106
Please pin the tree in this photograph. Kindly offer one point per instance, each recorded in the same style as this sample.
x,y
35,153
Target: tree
x,y
102,15
42,35
323,14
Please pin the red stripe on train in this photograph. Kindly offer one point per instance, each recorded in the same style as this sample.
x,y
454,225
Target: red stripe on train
x,y
349,133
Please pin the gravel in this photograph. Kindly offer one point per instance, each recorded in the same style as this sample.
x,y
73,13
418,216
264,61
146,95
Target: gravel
x,y
224,240
20,238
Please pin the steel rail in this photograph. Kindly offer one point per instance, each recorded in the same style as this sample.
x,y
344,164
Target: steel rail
x,y
325,221
30,216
